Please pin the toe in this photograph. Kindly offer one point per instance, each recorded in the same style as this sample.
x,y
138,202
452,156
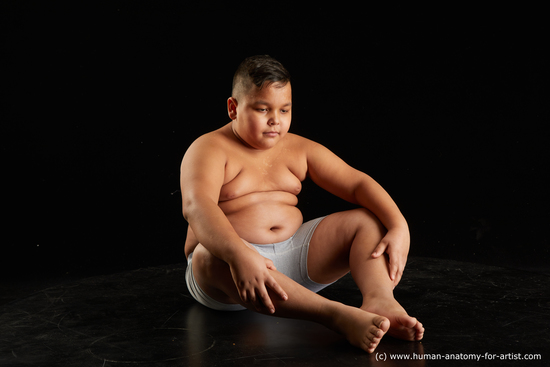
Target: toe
x,y
407,321
382,323
370,347
420,334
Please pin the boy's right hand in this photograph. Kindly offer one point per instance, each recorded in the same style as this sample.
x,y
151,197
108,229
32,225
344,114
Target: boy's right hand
x,y
252,277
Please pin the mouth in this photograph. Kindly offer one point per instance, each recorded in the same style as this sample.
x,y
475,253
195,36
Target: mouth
x,y
271,134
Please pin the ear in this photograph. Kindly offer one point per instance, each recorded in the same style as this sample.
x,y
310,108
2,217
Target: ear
x,y
232,108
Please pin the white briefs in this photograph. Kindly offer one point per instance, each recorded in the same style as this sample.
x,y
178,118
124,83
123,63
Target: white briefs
x,y
289,257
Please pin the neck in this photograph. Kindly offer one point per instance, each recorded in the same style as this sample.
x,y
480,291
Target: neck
x,y
239,137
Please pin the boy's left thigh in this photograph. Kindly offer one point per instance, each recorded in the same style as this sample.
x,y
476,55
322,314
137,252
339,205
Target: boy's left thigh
x,y
329,248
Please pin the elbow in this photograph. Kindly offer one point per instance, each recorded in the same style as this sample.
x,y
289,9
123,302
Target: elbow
x,y
195,206
185,215
187,208
191,207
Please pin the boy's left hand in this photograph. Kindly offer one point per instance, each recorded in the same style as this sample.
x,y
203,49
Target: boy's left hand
x,y
396,244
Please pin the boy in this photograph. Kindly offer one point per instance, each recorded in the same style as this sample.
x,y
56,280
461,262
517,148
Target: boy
x,y
246,244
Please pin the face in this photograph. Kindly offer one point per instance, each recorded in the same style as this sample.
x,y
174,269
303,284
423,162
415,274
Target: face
x,y
261,117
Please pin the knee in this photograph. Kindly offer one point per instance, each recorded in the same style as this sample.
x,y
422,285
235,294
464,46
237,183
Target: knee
x,y
205,263
365,220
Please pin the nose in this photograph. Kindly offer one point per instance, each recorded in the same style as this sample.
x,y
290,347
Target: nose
x,y
273,119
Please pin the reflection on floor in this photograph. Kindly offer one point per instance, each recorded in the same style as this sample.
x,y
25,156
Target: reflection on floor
x,y
473,314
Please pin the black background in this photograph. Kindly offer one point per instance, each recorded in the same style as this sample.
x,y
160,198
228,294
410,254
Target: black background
x,y
444,107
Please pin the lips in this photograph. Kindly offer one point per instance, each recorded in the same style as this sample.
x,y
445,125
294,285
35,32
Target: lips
x,y
271,134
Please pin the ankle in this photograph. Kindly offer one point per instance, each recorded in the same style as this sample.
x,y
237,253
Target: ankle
x,y
333,314
377,294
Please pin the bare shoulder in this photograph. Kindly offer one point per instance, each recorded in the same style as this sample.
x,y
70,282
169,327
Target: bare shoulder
x,y
327,169
309,148
300,143
310,151
207,147
205,159
212,141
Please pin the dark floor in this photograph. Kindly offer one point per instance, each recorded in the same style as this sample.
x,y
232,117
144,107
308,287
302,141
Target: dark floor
x,y
147,317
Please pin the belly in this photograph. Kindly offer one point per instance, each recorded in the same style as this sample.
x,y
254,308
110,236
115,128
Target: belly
x,y
264,217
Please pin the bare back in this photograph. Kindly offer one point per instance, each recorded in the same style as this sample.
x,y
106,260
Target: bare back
x,y
260,188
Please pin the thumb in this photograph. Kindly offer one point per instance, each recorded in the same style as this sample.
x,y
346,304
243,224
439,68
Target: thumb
x,y
379,249
269,264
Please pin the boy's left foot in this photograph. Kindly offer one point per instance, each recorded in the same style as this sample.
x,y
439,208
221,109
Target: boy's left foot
x,y
402,326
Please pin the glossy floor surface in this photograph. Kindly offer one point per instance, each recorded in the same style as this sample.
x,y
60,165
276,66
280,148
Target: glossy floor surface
x,y
474,315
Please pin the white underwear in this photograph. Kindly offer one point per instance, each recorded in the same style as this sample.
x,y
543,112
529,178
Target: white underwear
x,y
289,257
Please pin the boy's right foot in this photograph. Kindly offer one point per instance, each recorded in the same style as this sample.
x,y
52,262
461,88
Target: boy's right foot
x,y
362,329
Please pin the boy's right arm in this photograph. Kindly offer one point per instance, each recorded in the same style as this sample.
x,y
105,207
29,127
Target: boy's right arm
x,y
202,176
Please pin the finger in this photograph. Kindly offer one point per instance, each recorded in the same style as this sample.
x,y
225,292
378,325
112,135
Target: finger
x,y
269,264
398,277
379,250
275,287
266,302
393,271
257,301
244,296
396,269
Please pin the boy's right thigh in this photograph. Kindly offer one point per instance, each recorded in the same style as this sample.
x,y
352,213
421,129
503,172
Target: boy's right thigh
x,y
213,276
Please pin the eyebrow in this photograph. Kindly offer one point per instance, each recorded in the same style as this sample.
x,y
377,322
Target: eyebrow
x,y
267,104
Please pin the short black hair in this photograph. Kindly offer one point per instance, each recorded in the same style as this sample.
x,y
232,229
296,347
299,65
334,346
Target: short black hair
x,y
260,70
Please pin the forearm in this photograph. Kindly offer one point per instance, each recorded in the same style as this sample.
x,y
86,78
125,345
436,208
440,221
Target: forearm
x,y
396,242
212,229
370,195
250,271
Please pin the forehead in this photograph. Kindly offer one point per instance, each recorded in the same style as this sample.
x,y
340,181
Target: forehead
x,y
273,93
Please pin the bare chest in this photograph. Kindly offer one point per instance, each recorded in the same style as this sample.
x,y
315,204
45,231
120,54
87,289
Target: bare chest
x,y
263,173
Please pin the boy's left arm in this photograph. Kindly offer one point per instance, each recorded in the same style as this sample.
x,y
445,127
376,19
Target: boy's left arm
x,y
332,174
